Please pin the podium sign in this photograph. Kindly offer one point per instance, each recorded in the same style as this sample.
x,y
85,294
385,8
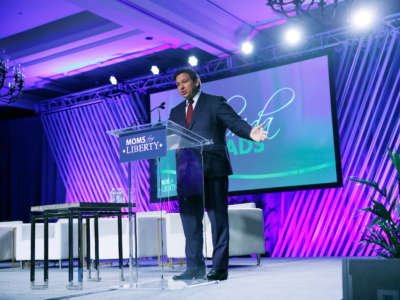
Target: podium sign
x,y
144,144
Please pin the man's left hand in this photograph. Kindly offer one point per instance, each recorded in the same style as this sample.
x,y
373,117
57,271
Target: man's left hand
x,y
257,134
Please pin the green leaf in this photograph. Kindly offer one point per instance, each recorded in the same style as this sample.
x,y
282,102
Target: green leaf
x,y
384,230
398,182
395,233
391,239
374,221
376,242
380,210
389,196
368,209
369,183
371,226
395,157
392,206
398,209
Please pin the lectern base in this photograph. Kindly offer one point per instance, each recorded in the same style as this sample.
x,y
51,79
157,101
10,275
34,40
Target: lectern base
x,y
168,284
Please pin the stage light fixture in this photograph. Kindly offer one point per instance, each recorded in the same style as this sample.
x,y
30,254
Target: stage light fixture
x,y
293,36
363,18
247,47
113,80
193,61
11,80
306,8
155,70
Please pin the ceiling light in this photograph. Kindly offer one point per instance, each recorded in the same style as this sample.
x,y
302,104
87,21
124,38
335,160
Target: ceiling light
x,y
247,48
113,80
155,70
193,61
293,36
363,18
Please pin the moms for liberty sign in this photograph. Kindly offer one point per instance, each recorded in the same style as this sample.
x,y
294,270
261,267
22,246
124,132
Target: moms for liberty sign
x,y
141,145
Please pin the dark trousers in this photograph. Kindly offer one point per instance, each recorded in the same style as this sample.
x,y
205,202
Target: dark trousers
x,y
192,211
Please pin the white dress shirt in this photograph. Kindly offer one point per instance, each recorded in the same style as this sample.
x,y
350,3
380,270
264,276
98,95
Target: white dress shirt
x,y
195,98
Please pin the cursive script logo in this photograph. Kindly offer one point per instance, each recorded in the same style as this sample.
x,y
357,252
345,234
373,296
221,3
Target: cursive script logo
x,y
266,115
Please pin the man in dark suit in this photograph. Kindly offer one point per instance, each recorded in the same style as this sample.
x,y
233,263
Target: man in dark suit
x,y
209,116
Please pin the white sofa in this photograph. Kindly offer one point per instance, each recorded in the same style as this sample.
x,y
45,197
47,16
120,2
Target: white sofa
x,y
246,230
108,238
58,241
7,240
149,228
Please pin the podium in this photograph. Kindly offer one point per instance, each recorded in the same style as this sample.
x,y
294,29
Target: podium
x,y
178,159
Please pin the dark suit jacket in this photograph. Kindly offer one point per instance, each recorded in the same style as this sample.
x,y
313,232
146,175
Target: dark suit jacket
x,y
212,116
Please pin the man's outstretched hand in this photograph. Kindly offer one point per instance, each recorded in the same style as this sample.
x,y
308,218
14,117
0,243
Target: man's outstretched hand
x,y
257,134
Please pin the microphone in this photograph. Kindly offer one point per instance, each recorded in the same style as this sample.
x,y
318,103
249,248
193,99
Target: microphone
x,y
161,106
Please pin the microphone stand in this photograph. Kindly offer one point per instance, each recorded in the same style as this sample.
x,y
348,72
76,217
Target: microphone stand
x,y
158,108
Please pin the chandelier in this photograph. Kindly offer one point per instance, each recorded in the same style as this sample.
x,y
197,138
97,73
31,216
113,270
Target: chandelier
x,y
11,81
290,8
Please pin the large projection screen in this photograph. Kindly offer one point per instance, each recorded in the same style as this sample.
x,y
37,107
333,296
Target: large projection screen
x,y
296,102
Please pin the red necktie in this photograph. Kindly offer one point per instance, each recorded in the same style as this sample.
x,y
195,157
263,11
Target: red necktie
x,y
189,113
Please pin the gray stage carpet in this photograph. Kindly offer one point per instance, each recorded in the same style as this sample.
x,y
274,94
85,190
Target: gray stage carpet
x,y
296,279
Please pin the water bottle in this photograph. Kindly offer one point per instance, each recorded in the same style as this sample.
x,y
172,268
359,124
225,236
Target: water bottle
x,y
112,195
116,199
121,198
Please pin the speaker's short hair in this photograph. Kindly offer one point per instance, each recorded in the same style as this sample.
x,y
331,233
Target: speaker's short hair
x,y
192,73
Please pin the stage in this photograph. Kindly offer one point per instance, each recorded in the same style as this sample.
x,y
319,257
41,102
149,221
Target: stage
x,y
308,279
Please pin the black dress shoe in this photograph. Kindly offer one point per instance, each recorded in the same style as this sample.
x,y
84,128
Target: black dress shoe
x,y
217,275
191,274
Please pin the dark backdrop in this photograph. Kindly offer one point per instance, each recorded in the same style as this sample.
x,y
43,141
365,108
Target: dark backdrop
x,y
28,173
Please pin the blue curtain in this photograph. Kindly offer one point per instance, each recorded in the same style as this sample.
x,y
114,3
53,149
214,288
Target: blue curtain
x,y
28,172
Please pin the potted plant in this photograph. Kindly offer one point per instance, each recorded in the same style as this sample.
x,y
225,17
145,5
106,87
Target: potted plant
x,y
384,230
377,278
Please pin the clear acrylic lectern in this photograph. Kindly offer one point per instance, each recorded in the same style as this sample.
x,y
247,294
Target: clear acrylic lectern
x,y
178,155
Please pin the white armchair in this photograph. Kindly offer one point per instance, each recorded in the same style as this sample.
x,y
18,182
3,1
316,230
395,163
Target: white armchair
x,y
246,230
150,229
108,238
175,239
7,240
58,241
149,226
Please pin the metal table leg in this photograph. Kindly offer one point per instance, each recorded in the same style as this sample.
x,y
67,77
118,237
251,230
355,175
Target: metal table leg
x,y
70,284
33,251
70,251
46,249
96,247
121,267
88,259
33,243
80,250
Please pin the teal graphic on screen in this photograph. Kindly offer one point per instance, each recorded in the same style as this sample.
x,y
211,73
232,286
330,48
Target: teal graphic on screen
x,y
294,103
